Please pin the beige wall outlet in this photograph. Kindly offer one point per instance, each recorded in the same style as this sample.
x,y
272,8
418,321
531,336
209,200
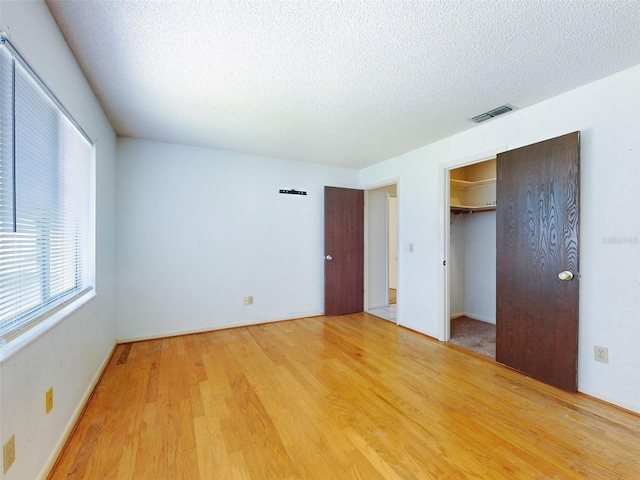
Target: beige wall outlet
x,y
9,453
48,400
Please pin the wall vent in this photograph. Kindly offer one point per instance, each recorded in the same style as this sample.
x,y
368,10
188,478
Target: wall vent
x,y
492,113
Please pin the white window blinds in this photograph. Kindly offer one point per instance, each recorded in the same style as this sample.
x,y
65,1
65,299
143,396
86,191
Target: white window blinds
x,y
46,201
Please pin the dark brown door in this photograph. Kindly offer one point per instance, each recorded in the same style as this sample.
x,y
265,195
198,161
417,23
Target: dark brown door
x,y
344,250
537,239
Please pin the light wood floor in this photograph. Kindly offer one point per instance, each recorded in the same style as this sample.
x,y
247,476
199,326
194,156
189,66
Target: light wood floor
x,y
352,397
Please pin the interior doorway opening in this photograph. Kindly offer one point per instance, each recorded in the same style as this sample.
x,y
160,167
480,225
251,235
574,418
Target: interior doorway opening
x,y
382,254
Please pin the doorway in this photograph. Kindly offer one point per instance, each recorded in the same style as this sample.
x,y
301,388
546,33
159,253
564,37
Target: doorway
x,y
472,257
536,258
382,255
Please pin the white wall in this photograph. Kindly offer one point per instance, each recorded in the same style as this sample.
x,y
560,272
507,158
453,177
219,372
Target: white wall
x,y
480,266
200,229
472,266
457,243
377,245
393,241
607,112
378,248
68,356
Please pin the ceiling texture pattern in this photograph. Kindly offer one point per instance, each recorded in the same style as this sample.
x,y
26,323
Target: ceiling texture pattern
x,y
340,83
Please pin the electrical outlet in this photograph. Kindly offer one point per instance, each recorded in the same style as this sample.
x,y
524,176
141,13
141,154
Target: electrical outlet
x,y
601,354
48,400
9,453
247,300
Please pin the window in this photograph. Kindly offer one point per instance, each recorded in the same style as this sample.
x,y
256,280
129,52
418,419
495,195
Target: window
x,y
46,200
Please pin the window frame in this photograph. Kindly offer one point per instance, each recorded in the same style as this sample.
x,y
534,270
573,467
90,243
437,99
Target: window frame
x,y
28,324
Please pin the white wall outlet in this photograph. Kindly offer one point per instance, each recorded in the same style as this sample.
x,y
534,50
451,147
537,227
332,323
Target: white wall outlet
x,y
247,300
601,354
411,247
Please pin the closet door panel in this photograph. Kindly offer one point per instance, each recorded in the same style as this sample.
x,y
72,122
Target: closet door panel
x,y
537,224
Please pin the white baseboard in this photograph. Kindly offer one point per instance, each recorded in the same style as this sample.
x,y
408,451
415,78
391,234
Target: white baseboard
x,y
482,319
474,317
381,305
46,470
418,330
216,327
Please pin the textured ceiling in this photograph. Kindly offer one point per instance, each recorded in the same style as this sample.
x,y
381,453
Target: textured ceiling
x,y
340,83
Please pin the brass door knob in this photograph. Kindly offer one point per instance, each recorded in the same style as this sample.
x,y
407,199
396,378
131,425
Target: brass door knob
x,y
566,275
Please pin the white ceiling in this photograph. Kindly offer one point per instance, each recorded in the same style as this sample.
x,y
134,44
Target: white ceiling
x,y
340,83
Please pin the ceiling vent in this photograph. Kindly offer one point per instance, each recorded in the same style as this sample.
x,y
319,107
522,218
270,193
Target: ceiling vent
x,y
492,113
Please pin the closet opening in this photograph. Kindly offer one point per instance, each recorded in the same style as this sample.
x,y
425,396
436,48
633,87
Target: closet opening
x,y
472,257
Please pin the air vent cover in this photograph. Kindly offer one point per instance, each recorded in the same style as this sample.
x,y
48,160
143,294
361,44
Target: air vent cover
x,y
492,113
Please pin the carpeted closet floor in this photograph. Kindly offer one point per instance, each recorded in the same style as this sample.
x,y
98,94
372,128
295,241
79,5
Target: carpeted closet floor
x,y
474,335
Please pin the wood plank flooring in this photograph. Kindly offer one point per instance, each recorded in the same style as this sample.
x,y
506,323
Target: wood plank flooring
x,y
351,397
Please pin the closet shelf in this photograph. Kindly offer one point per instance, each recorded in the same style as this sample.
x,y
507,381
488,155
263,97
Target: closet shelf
x,y
464,184
469,209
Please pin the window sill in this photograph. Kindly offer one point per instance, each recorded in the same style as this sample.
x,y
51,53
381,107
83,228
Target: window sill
x,y
9,349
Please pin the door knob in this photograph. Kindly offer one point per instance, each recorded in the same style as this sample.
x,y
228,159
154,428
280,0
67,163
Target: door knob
x,y
566,275
328,258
